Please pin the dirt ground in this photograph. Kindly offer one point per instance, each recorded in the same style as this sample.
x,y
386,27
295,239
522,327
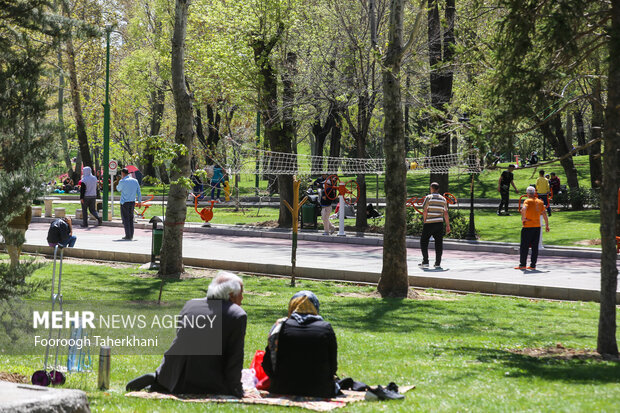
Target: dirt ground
x,y
559,352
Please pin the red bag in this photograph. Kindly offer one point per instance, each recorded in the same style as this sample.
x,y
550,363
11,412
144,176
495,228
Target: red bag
x,y
257,365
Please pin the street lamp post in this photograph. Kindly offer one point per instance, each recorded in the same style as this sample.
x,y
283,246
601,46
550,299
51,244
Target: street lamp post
x,y
106,126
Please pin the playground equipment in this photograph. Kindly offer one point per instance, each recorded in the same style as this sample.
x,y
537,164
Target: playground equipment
x,y
145,205
206,214
347,192
54,376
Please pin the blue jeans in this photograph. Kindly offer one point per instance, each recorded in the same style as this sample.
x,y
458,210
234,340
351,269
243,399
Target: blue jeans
x,y
70,242
213,186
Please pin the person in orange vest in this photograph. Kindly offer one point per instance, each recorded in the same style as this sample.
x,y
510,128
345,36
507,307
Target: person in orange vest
x,y
531,211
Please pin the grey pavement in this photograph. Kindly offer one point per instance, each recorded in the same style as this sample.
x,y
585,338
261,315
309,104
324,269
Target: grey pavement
x,y
558,276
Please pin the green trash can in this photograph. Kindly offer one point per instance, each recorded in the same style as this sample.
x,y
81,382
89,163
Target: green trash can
x,y
308,215
158,236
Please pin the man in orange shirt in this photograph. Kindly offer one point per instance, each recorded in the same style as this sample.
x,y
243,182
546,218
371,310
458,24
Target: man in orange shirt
x,y
531,211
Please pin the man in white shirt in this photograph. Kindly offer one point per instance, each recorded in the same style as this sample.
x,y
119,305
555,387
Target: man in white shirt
x,y
435,214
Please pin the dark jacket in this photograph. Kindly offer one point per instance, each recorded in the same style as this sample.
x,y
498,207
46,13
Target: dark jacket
x,y
59,232
208,374
307,360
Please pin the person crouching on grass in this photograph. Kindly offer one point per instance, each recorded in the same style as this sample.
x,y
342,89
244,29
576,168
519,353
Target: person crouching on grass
x,y
531,211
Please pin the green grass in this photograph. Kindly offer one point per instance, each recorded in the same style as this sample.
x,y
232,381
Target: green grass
x,y
455,349
566,227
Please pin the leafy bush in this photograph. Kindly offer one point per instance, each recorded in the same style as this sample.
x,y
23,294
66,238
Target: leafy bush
x,y
577,199
459,223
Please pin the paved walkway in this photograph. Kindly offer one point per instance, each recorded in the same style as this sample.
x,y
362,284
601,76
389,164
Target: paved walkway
x,y
557,277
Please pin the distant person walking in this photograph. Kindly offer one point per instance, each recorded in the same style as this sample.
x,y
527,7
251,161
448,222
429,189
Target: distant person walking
x,y
130,192
216,181
435,214
554,183
88,196
531,211
503,187
542,187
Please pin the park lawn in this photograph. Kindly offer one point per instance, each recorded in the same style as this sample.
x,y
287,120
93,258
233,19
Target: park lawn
x,y
567,228
454,348
221,215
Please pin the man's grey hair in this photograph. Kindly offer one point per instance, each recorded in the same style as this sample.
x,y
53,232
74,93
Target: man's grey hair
x,y
223,285
531,190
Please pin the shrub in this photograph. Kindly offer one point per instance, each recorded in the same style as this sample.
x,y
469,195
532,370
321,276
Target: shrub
x,y
577,199
459,224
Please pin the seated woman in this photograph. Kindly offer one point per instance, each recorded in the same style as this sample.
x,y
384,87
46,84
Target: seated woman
x,y
301,355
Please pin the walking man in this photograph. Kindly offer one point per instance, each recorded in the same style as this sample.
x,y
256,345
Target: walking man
x,y
531,211
88,196
328,194
503,187
435,214
130,192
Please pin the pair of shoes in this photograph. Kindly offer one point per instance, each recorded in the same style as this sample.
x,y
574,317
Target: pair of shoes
x,y
127,239
383,393
520,267
423,265
531,267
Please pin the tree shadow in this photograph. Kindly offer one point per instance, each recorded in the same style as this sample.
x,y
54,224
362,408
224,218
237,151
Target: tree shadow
x,y
575,370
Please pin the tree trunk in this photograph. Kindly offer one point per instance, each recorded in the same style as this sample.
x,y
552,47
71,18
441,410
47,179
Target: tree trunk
x,y
594,151
441,77
606,342
80,125
394,281
320,135
156,101
61,117
172,244
581,130
558,141
335,143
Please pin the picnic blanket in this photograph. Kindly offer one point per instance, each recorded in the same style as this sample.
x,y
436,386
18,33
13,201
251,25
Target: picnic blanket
x,y
262,397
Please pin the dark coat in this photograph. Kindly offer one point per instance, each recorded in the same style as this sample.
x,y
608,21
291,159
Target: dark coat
x,y
307,360
208,374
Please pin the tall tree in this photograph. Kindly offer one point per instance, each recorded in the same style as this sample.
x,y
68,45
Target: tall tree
x,y
607,343
441,49
394,281
172,244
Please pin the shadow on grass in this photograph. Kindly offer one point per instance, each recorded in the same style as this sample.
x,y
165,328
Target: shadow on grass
x,y
550,368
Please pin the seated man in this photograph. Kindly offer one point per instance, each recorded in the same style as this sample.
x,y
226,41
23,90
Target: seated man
x,y
302,354
205,374
61,233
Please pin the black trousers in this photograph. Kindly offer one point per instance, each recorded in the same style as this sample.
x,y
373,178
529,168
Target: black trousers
x,y
127,217
505,200
530,237
89,204
435,230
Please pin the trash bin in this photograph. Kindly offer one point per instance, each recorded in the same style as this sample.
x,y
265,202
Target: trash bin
x,y
308,215
157,237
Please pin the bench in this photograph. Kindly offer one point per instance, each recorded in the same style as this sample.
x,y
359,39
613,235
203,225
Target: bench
x,y
59,212
36,211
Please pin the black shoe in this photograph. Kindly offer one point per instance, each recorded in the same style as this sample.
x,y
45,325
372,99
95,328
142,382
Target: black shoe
x,y
423,265
126,239
384,394
83,226
100,221
499,213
